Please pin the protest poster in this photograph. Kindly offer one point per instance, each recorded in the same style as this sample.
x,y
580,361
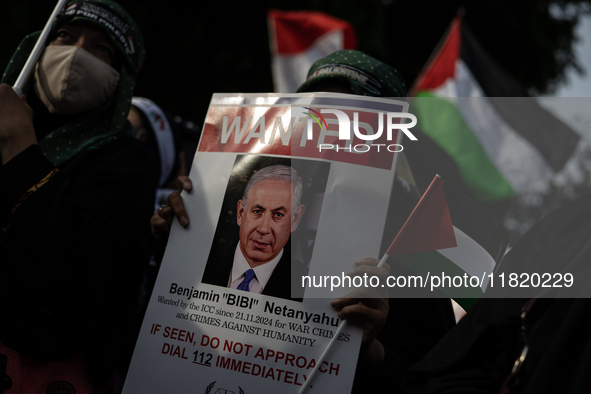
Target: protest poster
x,y
201,336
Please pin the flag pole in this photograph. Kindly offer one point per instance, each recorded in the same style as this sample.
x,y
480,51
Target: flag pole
x,y
333,340
39,46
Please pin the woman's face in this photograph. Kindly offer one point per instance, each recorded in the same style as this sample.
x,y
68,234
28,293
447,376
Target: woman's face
x,y
89,37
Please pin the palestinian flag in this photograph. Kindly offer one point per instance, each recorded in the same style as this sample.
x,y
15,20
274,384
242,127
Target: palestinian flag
x,y
501,141
298,39
449,234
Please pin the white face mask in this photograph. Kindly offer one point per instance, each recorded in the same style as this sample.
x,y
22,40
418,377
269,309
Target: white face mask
x,y
69,80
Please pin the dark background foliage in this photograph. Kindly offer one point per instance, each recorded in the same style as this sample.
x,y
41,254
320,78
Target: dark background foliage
x,y
197,48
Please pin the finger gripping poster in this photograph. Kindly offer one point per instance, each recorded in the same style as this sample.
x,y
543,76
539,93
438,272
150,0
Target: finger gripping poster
x,y
278,195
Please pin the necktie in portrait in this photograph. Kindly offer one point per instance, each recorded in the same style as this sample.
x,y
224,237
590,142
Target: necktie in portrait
x,y
248,276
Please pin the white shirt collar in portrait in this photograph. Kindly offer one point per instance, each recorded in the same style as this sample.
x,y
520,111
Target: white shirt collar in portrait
x,y
262,272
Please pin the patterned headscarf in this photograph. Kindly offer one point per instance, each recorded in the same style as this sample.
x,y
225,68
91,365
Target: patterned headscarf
x,y
100,125
365,75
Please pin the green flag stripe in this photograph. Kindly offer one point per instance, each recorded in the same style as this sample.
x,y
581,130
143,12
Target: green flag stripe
x,y
521,112
440,120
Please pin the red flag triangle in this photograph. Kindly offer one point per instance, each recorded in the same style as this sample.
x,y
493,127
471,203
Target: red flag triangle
x,y
429,226
442,65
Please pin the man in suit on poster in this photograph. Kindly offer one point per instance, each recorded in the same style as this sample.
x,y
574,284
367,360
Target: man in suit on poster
x,y
269,211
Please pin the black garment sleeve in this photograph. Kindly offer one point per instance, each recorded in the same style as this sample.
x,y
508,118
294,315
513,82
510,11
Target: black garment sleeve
x,y
17,176
73,256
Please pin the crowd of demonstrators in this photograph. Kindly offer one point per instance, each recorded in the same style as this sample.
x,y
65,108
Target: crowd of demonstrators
x,y
76,195
83,171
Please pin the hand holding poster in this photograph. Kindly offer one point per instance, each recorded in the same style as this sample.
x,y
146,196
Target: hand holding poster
x,y
204,333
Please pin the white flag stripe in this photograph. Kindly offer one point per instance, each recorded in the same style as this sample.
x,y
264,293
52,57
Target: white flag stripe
x,y
290,71
470,256
522,165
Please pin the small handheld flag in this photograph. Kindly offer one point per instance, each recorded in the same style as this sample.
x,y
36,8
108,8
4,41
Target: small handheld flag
x,y
446,232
